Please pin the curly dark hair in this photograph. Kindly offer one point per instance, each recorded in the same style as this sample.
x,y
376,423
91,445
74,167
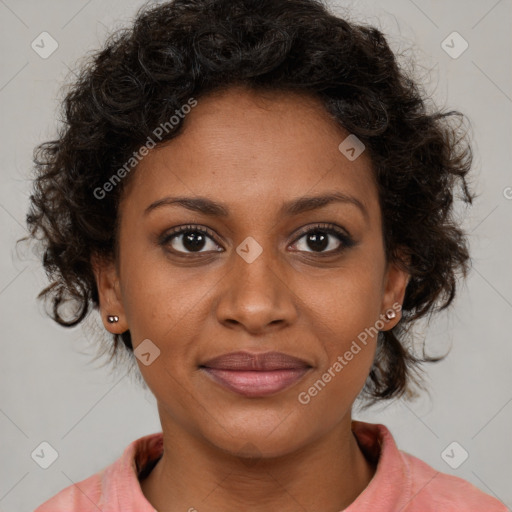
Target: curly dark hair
x,y
187,48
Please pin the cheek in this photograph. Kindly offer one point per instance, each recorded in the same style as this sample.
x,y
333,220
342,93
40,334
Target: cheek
x,y
344,313
159,298
344,303
345,317
348,339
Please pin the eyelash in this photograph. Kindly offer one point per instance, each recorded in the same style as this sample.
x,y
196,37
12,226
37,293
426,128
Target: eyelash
x,y
331,229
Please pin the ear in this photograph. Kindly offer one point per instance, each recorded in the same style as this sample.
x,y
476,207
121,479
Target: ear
x,y
107,282
395,284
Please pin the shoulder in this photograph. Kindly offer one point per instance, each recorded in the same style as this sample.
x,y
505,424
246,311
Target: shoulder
x,y
445,492
83,496
406,483
116,487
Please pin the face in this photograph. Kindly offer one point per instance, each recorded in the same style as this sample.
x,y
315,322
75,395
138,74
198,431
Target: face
x,y
266,271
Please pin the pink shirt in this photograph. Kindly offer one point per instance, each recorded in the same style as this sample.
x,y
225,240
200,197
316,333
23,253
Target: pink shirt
x,y
402,482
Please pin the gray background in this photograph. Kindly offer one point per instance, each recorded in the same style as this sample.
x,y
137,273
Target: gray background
x,y
52,391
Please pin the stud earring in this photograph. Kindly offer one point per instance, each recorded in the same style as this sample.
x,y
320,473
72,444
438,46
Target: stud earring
x,y
390,314
112,319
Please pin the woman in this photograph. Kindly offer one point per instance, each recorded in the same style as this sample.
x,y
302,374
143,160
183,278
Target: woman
x,y
257,200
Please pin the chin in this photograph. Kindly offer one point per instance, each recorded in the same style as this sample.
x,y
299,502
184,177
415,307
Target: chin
x,y
254,435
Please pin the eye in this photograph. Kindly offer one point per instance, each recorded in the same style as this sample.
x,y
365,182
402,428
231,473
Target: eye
x,y
321,237
192,238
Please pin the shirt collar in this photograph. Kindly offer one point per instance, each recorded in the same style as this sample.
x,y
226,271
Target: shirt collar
x,y
390,489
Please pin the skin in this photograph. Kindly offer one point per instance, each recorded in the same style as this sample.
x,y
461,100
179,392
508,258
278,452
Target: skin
x,y
253,152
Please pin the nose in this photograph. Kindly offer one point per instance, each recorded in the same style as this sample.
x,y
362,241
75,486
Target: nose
x,y
256,297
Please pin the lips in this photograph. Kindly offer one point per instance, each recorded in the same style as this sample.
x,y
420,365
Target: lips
x,y
267,361
255,375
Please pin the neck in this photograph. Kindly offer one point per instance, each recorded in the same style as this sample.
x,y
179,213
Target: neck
x,y
327,474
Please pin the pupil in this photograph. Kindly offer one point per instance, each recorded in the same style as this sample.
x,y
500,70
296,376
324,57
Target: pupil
x,y
321,241
193,241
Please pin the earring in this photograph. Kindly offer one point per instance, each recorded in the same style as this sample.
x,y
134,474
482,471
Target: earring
x,y
390,314
112,319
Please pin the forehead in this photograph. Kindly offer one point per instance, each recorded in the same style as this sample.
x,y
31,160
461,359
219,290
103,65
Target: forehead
x,y
243,147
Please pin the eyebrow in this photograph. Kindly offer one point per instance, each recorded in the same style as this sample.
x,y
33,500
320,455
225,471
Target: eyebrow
x,y
294,207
